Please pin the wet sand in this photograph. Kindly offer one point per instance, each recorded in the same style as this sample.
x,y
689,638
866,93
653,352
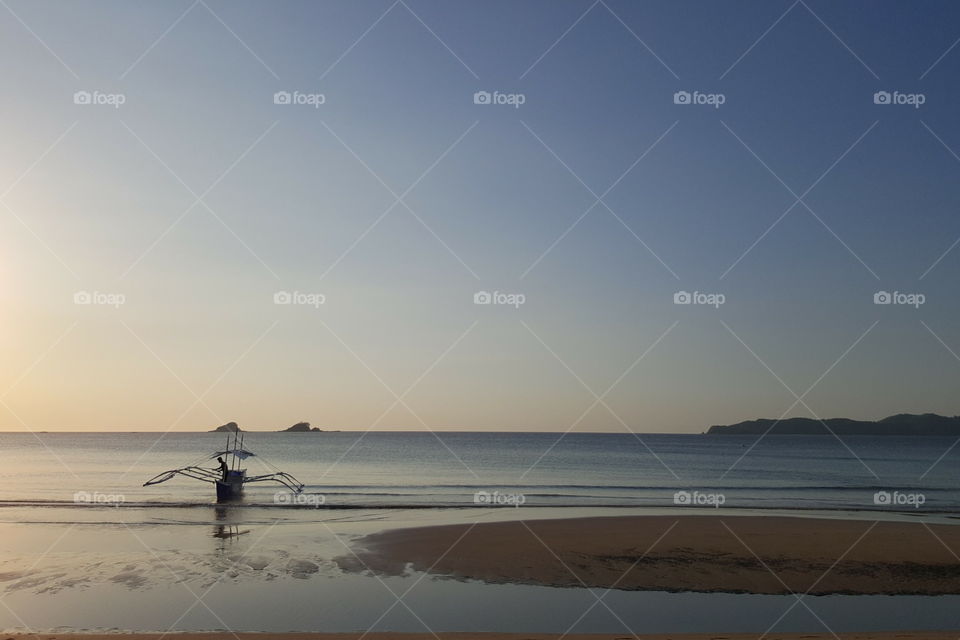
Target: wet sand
x,y
737,554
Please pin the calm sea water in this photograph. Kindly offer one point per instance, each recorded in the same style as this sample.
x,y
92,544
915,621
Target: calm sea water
x,y
420,469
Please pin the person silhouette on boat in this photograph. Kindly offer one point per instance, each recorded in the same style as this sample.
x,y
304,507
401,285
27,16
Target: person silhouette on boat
x,y
224,469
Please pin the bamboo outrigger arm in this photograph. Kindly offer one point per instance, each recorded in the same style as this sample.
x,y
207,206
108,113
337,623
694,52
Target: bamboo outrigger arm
x,y
197,473
209,475
282,477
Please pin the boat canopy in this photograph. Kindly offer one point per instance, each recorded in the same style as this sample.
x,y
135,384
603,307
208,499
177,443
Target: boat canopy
x,y
243,454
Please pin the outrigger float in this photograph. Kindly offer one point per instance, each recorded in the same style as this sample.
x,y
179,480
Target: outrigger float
x,y
229,483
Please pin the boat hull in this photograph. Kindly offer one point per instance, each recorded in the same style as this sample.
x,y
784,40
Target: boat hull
x,y
232,487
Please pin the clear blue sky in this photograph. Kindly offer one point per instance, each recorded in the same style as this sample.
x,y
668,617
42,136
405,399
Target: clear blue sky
x,y
295,198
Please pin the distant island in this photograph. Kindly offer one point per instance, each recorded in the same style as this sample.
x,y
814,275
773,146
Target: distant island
x,y
902,424
230,427
300,427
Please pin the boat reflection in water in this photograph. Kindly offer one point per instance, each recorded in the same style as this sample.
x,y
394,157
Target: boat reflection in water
x,y
224,530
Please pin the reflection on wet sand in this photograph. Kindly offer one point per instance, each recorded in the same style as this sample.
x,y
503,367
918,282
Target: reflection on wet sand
x,y
224,529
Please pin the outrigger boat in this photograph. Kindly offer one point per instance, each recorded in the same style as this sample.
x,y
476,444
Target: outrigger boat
x,y
229,483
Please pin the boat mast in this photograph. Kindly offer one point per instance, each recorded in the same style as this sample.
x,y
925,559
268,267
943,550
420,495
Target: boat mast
x,y
237,436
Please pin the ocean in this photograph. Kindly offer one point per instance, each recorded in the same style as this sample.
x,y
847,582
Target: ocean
x,y
422,469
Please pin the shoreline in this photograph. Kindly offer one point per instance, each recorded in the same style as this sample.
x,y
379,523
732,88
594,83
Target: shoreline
x,y
825,512
757,554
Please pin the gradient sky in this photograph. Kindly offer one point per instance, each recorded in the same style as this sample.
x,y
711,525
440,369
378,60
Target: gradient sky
x,y
294,198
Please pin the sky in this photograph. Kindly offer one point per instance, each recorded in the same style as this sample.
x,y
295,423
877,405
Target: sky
x,y
272,212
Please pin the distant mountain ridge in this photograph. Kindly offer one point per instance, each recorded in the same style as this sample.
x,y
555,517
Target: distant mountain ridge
x,y
901,424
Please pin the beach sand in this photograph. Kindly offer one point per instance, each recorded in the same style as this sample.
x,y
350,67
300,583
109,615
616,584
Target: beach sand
x,y
892,635
737,554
